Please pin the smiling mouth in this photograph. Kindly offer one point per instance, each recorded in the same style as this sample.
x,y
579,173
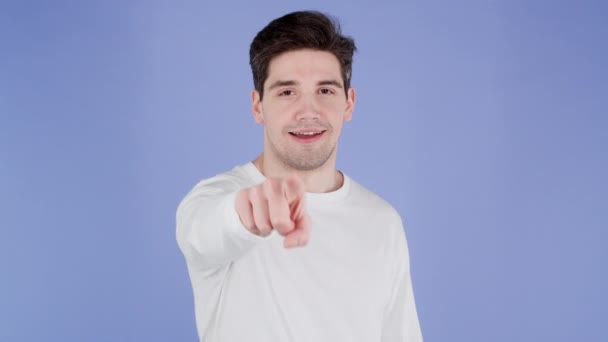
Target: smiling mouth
x,y
308,136
305,134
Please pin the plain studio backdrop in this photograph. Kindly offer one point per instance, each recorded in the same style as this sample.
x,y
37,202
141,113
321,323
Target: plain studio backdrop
x,y
483,122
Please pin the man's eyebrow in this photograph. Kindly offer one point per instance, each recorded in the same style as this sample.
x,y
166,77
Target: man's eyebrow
x,y
331,82
280,83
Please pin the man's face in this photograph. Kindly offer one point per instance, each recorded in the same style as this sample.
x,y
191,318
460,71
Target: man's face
x,y
303,109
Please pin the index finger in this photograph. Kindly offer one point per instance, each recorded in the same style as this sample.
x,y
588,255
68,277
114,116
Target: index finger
x,y
295,193
300,235
278,207
294,188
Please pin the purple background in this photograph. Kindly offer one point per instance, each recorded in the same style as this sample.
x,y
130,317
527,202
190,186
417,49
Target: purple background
x,y
483,122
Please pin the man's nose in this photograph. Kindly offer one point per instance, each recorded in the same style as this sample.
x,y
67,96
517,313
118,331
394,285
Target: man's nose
x,y
308,108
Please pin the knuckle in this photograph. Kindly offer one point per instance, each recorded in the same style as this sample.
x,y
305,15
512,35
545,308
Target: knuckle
x,y
272,187
269,183
265,231
262,223
279,222
243,196
248,224
250,227
253,191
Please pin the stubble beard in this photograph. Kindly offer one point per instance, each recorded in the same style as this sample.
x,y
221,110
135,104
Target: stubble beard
x,y
303,158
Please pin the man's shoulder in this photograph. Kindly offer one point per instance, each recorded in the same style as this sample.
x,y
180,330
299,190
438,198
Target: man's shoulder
x,y
379,213
238,177
372,201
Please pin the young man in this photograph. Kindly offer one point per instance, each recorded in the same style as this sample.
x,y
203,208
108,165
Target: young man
x,y
286,247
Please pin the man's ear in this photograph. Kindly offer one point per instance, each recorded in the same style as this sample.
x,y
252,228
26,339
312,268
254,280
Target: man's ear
x,y
350,104
256,107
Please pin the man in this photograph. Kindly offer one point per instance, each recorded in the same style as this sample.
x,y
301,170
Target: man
x,y
287,247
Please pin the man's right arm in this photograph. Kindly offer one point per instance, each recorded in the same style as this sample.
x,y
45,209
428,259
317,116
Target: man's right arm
x,y
218,221
209,231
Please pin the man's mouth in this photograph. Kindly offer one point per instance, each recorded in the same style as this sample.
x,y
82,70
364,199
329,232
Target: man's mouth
x,y
308,135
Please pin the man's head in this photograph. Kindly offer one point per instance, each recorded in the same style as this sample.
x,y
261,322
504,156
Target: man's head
x,y
296,31
302,66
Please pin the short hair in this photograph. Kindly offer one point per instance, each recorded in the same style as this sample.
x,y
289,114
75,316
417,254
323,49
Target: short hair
x,y
295,31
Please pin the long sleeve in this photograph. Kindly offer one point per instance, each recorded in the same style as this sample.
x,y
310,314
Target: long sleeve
x,y
209,231
401,318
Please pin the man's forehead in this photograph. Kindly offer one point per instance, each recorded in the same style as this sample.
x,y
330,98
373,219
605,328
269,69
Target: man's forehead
x,y
304,61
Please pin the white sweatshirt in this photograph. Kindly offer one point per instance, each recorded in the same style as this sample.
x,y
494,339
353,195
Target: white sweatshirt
x,y
351,282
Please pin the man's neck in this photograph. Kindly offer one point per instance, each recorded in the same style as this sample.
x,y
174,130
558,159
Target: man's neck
x,y
324,179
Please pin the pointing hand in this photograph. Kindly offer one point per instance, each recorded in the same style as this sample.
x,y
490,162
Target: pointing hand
x,y
276,204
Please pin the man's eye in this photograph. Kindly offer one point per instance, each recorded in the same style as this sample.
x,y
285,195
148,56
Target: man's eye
x,y
326,91
286,93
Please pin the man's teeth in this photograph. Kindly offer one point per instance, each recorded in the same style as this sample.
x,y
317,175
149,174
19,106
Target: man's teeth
x,y
307,133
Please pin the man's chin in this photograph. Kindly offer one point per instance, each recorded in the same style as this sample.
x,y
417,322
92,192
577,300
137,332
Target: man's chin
x,y
305,163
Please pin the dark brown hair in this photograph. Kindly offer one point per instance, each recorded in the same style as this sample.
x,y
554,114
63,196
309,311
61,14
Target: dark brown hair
x,y
295,31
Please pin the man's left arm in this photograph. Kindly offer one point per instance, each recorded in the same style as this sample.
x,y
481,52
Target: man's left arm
x,y
400,322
